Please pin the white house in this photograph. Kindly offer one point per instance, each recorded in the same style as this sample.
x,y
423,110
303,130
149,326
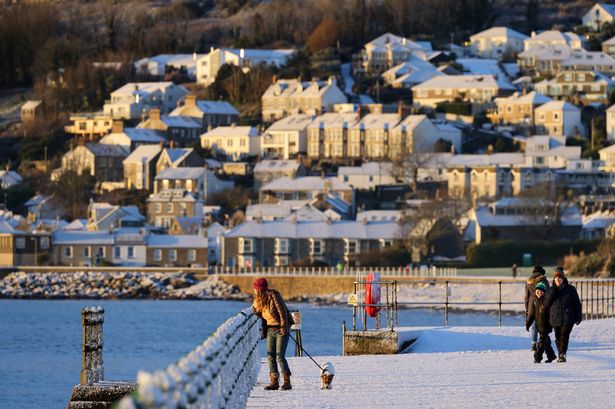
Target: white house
x,y
496,42
292,96
410,73
208,65
158,65
286,137
477,89
610,123
132,100
140,167
598,15
132,138
9,178
208,113
368,175
234,142
554,37
389,50
559,118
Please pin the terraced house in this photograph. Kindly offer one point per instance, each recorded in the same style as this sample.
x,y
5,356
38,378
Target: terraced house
x,y
518,109
389,50
477,89
293,96
578,86
283,243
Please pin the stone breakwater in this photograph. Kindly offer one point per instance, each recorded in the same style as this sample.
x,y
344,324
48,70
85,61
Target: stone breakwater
x,y
115,285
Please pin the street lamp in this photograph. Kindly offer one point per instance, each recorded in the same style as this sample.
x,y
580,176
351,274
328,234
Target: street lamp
x,y
35,250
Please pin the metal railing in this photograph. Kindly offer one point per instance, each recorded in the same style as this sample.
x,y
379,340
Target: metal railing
x,y
597,299
92,368
220,373
422,271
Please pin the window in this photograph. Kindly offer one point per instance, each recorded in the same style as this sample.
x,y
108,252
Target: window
x,y
173,255
229,143
86,252
169,208
100,252
281,261
44,243
157,255
20,243
68,251
191,255
131,252
351,246
158,207
246,245
242,142
281,246
385,243
116,252
316,247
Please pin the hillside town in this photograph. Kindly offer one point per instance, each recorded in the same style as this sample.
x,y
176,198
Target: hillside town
x,y
408,152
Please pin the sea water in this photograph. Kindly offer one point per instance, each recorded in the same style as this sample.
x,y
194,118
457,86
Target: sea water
x,y
40,340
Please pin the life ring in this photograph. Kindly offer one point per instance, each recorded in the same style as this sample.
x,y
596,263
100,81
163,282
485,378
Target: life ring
x,y
372,294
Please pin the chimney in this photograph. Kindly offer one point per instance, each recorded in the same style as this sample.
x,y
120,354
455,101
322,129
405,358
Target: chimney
x,y
332,80
190,100
154,114
274,79
172,144
117,127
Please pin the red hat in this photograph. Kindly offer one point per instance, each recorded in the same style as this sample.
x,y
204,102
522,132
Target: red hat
x,y
260,284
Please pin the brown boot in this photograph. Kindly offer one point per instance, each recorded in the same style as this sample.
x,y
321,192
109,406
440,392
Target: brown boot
x,y
286,386
275,384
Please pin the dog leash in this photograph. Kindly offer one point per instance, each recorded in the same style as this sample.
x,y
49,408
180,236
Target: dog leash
x,y
306,352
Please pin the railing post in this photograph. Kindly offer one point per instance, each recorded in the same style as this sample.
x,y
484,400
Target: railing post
x,y
500,303
92,369
446,306
592,300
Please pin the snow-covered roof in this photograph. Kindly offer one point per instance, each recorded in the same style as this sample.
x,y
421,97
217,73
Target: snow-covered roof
x,y
143,88
380,215
534,98
82,237
177,241
306,183
276,166
293,88
377,121
254,53
37,200
369,168
598,220
413,71
137,135
486,216
143,153
9,178
460,81
278,210
31,104
496,159
228,131
343,229
77,224
588,58
498,32
296,122
555,37
181,173
557,106
175,195
410,122
106,150
217,107
610,41
179,121
334,120
177,154
389,39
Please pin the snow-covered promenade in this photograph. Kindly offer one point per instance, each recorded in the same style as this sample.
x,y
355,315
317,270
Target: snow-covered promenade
x,y
462,367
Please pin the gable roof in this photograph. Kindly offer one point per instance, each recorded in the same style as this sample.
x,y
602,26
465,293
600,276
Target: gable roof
x,y
106,150
499,32
226,131
143,153
181,173
557,105
310,183
459,81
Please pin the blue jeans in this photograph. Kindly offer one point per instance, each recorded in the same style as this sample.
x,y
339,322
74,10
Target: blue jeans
x,y
534,332
276,351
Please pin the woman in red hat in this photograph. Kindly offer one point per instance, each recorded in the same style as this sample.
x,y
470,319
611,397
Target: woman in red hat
x,y
276,319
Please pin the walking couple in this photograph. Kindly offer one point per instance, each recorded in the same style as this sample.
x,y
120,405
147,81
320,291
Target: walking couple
x,y
554,307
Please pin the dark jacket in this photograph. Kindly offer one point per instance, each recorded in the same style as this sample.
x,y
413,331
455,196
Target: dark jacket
x,y
278,310
530,289
539,313
564,305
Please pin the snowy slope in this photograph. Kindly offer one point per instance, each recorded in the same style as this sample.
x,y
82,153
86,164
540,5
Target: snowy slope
x,y
464,367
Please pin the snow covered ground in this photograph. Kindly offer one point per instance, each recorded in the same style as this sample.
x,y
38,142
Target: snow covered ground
x,y
463,367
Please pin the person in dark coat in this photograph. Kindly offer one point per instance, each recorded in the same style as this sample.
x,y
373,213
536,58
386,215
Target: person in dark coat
x,y
565,310
538,314
538,276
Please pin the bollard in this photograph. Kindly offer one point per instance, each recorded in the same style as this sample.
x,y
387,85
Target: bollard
x,y
92,369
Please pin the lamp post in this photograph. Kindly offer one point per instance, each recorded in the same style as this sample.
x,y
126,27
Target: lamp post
x,y
35,250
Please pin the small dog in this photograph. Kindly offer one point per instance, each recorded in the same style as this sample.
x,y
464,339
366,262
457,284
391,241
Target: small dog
x,y
327,372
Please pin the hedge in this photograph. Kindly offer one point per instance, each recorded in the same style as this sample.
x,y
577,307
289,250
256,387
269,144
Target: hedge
x,y
459,108
505,253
